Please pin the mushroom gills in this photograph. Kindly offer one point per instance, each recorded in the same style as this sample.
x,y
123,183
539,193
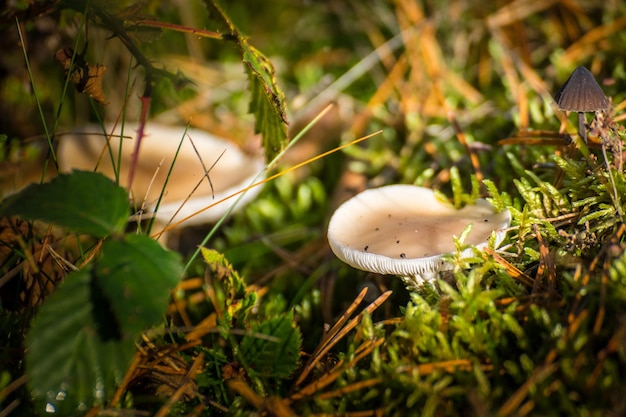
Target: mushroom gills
x,y
406,230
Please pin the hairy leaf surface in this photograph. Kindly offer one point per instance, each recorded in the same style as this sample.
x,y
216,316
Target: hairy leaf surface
x,y
82,201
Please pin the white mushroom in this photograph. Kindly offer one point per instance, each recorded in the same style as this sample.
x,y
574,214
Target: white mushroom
x,y
405,230
234,170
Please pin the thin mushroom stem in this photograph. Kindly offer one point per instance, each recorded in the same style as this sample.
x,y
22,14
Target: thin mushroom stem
x,y
582,130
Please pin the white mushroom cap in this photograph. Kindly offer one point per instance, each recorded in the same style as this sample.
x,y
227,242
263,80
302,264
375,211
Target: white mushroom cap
x,y
234,170
404,230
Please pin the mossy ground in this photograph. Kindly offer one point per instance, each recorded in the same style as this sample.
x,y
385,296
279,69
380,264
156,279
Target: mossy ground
x,y
463,95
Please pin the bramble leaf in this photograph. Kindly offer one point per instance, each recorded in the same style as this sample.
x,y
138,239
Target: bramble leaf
x,y
73,354
273,347
82,201
229,286
135,274
83,338
267,102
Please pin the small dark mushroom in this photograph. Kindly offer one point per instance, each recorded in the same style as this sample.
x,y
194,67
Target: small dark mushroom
x,y
582,94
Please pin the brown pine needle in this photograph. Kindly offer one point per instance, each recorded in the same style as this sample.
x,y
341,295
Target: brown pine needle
x,y
341,321
364,349
350,388
448,366
130,374
604,280
12,386
366,413
587,44
190,375
339,331
460,135
206,325
547,266
511,406
275,406
513,271
247,393
179,28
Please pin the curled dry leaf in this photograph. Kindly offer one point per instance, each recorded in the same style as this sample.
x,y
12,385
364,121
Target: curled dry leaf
x,y
87,78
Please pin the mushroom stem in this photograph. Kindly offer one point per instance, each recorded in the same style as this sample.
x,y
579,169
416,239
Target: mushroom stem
x,y
582,130
405,230
414,282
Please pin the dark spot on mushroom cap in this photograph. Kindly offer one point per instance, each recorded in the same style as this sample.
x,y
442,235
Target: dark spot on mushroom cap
x,y
486,220
366,248
397,241
403,255
581,93
377,229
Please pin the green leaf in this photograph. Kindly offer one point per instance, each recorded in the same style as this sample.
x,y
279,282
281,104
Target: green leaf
x,y
83,338
68,362
268,102
230,289
84,202
223,270
136,275
273,347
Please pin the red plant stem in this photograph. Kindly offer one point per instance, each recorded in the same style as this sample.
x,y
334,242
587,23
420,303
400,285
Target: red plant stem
x,y
145,106
178,28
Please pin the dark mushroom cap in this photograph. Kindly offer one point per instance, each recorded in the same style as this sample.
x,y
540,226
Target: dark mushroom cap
x,y
581,93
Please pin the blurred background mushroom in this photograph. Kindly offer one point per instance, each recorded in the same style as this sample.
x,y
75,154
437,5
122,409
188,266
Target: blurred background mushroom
x,y
203,171
406,230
